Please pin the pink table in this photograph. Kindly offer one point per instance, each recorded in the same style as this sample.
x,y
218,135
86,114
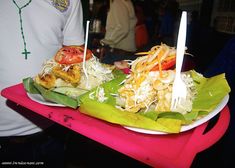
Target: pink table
x,y
176,150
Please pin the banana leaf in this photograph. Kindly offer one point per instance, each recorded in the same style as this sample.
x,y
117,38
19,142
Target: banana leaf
x,y
62,95
111,114
107,111
211,91
49,95
29,86
57,97
111,89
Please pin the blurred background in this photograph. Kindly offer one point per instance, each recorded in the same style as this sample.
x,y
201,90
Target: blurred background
x,y
211,23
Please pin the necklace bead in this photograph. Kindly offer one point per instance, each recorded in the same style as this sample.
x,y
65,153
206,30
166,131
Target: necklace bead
x,y
25,51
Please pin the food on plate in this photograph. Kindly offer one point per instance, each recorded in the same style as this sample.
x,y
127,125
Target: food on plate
x,y
70,73
152,91
149,85
146,92
69,69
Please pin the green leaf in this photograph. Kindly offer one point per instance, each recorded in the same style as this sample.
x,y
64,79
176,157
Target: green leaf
x,y
118,73
70,91
29,86
174,115
70,96
203,113
56,97
111,114
150,114
210,93
110,88
107,111
191,116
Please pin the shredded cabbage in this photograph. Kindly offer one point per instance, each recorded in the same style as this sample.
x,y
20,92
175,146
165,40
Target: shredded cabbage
x,y
97,73
146,89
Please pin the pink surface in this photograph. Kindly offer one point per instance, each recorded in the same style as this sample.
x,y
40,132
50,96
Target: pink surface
x,y
175,150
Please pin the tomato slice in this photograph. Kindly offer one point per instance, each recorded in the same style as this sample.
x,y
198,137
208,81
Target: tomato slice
x,y
165,64
71,55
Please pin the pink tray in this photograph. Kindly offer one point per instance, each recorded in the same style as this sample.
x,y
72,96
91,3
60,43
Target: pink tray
x,y
175,150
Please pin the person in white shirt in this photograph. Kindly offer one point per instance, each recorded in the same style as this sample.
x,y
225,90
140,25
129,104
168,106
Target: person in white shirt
x,y
31,32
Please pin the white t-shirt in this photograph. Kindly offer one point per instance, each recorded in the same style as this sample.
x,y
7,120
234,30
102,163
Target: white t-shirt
x,y
47,25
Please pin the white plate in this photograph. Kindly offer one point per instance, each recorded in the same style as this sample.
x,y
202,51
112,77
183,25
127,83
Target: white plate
x,y
38,98
187,127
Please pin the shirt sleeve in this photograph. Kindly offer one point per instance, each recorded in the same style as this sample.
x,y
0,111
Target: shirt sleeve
x,y
73,31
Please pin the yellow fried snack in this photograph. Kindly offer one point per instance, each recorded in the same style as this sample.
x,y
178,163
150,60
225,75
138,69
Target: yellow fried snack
x,y
69,74
47,80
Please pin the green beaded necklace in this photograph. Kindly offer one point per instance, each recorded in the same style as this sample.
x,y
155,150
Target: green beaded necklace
x,y
25,52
